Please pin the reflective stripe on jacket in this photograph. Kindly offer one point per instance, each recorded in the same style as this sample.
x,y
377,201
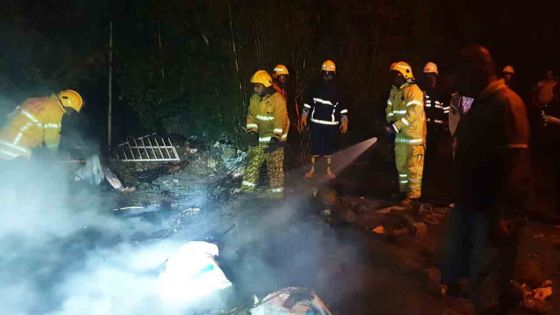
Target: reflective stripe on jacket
x,y
405,110
36,122
268,115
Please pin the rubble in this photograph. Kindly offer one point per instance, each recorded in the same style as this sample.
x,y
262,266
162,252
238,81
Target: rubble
x,y
300,301
533,299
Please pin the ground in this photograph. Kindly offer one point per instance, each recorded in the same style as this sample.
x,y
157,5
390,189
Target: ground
x,y
268,245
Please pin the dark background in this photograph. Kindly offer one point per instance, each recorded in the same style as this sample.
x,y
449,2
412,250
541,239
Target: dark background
x,y
175,69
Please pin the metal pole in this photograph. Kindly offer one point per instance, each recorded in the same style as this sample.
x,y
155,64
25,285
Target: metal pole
x,y
110,86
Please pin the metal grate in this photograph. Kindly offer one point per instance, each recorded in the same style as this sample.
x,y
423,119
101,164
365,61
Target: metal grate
x,y
150,148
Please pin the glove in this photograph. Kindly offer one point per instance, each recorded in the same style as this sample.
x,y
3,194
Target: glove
x,y
273,145
251,139
389,130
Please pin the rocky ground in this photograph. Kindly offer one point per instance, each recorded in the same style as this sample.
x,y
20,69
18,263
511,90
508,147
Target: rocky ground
x,y
343,238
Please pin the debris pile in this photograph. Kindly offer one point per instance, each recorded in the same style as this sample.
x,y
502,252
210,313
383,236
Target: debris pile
x,y
205,174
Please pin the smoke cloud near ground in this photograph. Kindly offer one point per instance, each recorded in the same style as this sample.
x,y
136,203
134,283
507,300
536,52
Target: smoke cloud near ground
x,y
64,253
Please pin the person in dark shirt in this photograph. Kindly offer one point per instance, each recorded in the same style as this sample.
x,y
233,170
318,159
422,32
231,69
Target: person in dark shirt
x,y
492,173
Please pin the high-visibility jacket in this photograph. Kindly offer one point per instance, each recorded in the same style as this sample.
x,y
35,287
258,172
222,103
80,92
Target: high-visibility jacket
x,y
36,122
326,103
436,102
268,115
405,110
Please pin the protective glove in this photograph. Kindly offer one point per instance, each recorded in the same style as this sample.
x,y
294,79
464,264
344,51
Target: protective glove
x,y
251,139
389,130
273,145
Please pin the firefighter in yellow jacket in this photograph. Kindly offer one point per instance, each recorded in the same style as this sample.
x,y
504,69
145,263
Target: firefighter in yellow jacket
x,y
35,123
405,113
267,131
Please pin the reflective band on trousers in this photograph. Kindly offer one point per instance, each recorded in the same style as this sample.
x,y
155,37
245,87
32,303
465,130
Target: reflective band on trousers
x,y
277,190
52,126
250,126
265,139
265,118
306,105
278,130
409,141
248,184
344,111
324,122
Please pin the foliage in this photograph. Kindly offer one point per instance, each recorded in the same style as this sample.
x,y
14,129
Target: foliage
x,y
175,66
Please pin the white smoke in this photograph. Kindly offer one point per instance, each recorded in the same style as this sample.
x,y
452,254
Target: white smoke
x,y
65,253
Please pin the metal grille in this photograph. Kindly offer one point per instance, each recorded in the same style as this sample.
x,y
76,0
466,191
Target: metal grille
x,y
150,148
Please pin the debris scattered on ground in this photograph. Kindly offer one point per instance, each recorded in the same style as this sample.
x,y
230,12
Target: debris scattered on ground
x,y
115,182
378,230
93,173
300,301
533,299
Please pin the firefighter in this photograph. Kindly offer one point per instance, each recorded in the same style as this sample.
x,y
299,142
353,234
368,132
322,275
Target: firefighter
x,y
325,106
280,75
37,122
267,131
438,142
507,75
405,114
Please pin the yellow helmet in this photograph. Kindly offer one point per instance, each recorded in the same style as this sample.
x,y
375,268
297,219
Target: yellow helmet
x,y
508,69
431,67
262,77
328,66
404,68
281,70
71,99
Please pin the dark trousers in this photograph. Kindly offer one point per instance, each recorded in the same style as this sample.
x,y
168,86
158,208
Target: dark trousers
x,y
438,164
474,251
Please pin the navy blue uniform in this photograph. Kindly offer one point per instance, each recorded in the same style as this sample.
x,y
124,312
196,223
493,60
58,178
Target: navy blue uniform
x,y
326,106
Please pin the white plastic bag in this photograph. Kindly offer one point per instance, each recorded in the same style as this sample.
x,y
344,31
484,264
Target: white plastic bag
x,y
192,274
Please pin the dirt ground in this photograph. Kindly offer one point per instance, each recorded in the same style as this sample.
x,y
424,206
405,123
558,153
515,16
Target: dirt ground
x,y
268,245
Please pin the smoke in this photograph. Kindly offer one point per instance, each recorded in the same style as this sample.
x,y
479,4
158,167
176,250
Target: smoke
x,y
64,253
